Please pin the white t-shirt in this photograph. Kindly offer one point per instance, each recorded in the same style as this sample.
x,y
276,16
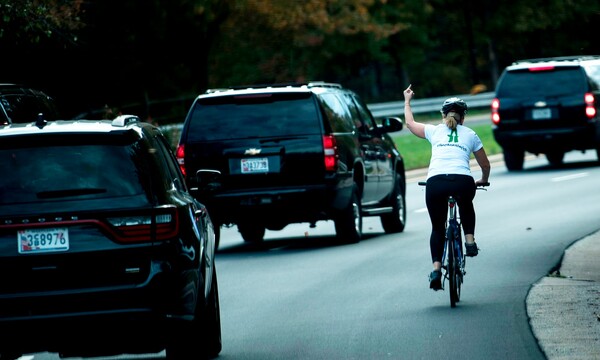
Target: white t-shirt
x,y
451,150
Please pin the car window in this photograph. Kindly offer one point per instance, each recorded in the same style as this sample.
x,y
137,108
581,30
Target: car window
x,y
339,118
364,113
169,163
235,117
45,173
560,81
594,75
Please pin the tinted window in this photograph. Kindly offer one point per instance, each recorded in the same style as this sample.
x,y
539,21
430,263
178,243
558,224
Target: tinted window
x,y
47,173
560,81
339,117
594,74
235,117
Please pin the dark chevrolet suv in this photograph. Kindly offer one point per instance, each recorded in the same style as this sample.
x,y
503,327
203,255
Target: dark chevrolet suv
x,y
547,106
103,250
262,157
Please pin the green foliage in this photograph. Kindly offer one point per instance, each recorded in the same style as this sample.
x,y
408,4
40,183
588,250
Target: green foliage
x,y
30,21
145,51
417,152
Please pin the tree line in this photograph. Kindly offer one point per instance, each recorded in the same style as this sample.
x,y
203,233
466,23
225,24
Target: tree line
x,y
154,56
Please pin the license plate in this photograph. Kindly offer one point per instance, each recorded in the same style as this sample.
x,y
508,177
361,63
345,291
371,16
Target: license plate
x,y
255,165
43,240
538,114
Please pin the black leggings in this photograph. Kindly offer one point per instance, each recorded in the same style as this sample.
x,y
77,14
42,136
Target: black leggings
x,y
439,187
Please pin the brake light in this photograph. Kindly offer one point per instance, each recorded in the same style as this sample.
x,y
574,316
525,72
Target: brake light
x,y
180,154
541,68
161,224
495,114
590,105
330,153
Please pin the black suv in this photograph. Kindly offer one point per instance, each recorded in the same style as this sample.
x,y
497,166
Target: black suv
x,y
266,156
103,250
547,106
22,104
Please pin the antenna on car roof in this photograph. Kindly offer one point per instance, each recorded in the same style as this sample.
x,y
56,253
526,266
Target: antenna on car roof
x,y
40,122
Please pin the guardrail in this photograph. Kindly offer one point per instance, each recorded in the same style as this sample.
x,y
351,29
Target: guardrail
x,y
419,106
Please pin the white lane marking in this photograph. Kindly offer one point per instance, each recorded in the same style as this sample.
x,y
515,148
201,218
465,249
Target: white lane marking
x,y
421,210
569,177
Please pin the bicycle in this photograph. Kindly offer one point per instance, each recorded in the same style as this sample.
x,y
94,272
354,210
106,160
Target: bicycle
x,y
453,259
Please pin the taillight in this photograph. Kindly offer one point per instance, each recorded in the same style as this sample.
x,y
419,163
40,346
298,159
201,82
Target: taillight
x,y
330,153
180,154
590,105
495,114
161,224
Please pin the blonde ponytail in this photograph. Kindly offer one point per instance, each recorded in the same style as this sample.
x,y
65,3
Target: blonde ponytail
x,y
452,119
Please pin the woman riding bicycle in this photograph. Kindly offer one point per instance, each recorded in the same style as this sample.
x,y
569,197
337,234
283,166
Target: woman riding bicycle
x,y
449,173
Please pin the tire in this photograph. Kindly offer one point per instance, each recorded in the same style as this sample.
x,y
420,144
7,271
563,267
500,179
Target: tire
x,y
252,233
395,221
460,265
348,222
513,159
211,342
201,337
452,267
555,158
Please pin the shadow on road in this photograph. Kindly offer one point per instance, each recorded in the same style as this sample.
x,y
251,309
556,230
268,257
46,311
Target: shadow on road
x,y
289,244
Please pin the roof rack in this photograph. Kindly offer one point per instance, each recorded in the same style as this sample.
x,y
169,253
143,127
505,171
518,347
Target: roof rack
x,y
276,85
559,58
324,84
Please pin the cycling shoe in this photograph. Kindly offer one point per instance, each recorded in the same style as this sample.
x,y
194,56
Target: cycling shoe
x,y
472,249
435,280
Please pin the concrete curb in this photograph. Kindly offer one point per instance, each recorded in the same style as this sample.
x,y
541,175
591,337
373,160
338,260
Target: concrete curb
x,y
564,308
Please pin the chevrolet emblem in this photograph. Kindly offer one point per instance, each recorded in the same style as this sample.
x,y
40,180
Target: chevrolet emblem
x,y
252,152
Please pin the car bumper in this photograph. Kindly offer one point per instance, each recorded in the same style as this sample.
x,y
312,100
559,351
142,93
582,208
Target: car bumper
x,y
289,205
66,319
541,141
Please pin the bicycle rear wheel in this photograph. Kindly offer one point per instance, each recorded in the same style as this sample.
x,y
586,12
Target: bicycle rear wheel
x,y
452,267
460,265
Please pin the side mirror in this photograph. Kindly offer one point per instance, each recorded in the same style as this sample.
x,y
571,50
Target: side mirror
x,y
392,124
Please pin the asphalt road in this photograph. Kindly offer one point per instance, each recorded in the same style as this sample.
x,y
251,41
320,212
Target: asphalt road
x,y
301,295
